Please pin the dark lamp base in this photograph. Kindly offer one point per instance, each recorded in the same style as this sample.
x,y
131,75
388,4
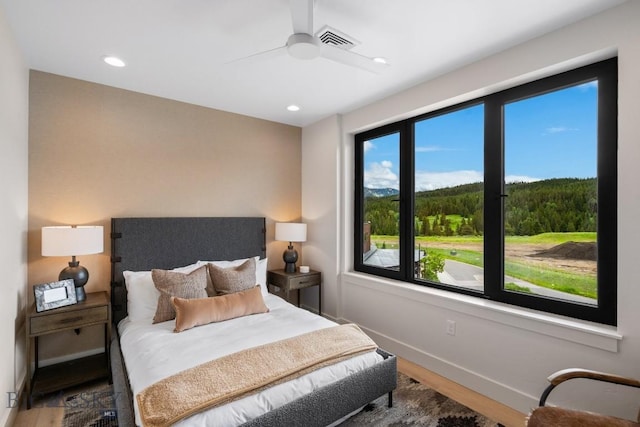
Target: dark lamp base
x,y
80,294
80,276
290,257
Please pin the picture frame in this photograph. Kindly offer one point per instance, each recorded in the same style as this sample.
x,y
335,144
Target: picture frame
x,y
54,295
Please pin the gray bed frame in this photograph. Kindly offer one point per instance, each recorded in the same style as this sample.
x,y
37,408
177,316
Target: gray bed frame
x,y
139,244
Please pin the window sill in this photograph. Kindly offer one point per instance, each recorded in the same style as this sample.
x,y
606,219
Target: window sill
x,y
582,332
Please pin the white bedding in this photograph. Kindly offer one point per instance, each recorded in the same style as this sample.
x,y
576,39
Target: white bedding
x,y
153,352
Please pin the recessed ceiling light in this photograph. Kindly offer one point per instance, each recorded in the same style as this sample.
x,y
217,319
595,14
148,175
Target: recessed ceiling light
x,y
380,60
293,108
114,61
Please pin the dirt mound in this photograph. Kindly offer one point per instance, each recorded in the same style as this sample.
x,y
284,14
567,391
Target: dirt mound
x,y
570,250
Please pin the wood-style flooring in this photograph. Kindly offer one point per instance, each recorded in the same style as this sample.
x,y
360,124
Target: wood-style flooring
x,y
490,408
46,413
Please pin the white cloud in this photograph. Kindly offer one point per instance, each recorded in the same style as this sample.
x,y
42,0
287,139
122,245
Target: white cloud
x,y
433,180
380,175
559,129
426,181
519,178
589,85
433,149
429,149
368,145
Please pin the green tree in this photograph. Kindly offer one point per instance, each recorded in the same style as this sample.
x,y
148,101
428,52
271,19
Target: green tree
x,y
435,229
426,228
465,228
431,264
553,205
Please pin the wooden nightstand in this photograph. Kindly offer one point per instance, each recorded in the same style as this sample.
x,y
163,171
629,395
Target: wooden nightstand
x,y
95,310
294,281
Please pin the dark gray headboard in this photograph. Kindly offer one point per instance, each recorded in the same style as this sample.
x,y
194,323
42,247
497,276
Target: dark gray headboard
x,y
139,244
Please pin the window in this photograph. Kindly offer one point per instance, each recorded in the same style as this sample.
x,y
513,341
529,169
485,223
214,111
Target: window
x,y
510,197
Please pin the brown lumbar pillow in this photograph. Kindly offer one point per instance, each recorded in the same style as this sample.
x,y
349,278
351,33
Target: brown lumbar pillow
x,y
232,279
197,312
172,283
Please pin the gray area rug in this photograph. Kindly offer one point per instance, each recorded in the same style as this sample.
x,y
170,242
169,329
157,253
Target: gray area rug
x,y
415,404
91,408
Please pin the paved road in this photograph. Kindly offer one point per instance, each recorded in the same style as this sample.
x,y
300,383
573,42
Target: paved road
x,y
469,276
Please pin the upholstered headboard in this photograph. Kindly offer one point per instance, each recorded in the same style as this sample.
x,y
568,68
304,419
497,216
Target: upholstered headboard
x,y
139,244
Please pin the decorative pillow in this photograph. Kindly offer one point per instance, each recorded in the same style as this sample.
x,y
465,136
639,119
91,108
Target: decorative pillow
x,y
261,276
197,312
233,279
261,272
142,295
174,284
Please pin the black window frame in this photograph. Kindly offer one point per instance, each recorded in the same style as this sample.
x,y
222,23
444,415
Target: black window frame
x,y
606,72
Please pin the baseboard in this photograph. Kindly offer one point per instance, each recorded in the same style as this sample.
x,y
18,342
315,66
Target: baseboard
x,y
502,393
13,412
11,418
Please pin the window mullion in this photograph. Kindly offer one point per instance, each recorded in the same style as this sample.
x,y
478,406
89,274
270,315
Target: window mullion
x,y
407,195
493,197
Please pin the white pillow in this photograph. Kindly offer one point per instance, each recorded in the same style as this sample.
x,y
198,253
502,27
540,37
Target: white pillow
x,y
142,295
261,270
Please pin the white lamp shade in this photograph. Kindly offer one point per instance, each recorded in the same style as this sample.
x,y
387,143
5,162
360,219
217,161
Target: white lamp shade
x,y
291,232
72,241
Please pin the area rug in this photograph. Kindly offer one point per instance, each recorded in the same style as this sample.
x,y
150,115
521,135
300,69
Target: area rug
x,y
417,405
91,408
414,405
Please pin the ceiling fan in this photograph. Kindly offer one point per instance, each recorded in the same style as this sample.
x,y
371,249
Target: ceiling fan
x,y
303,44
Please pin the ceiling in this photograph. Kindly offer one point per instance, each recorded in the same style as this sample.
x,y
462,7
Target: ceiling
x,y
186,49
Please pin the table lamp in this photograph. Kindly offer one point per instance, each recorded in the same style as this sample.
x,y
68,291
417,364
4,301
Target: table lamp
x,y
73,241
290,232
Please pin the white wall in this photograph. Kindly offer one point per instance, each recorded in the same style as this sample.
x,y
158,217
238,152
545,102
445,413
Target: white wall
x,y
14,102
320,164
501,351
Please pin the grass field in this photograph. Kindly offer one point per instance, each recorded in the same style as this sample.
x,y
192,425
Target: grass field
x,y
548,276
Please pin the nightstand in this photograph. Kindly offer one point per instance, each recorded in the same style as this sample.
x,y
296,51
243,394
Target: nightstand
x,y
295,281
95,310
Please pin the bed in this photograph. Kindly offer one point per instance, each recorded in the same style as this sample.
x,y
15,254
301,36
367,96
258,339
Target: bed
x,y
319,398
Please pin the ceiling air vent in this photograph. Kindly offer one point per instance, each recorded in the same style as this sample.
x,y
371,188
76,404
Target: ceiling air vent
x,y
328,35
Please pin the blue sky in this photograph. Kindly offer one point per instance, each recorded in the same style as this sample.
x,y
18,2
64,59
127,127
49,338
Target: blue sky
x,y
548,136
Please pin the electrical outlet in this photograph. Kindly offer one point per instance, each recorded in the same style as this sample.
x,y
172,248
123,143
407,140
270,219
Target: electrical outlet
x,y
451,327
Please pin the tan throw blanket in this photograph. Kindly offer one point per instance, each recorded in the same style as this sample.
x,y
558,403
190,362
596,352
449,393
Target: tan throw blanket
x,y
231,377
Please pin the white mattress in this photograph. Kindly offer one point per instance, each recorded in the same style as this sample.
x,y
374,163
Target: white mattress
x,y
153,352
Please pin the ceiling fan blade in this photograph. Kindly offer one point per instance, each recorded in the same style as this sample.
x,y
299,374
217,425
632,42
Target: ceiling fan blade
x,y
261,55
302,16
352,59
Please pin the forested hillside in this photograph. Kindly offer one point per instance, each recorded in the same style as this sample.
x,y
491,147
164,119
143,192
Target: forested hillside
x,y
554,205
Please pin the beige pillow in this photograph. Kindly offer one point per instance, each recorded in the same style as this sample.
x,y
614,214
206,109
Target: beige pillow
x,y
232,279
196,312
174,284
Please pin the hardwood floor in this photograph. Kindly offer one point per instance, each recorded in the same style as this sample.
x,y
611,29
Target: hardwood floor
x,y
49,412
490,408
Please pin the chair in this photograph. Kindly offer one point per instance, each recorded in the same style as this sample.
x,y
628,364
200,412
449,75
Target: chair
x,y
546,416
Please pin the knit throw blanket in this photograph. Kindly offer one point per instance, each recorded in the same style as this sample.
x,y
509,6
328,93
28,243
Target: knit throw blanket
x,y
231,377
